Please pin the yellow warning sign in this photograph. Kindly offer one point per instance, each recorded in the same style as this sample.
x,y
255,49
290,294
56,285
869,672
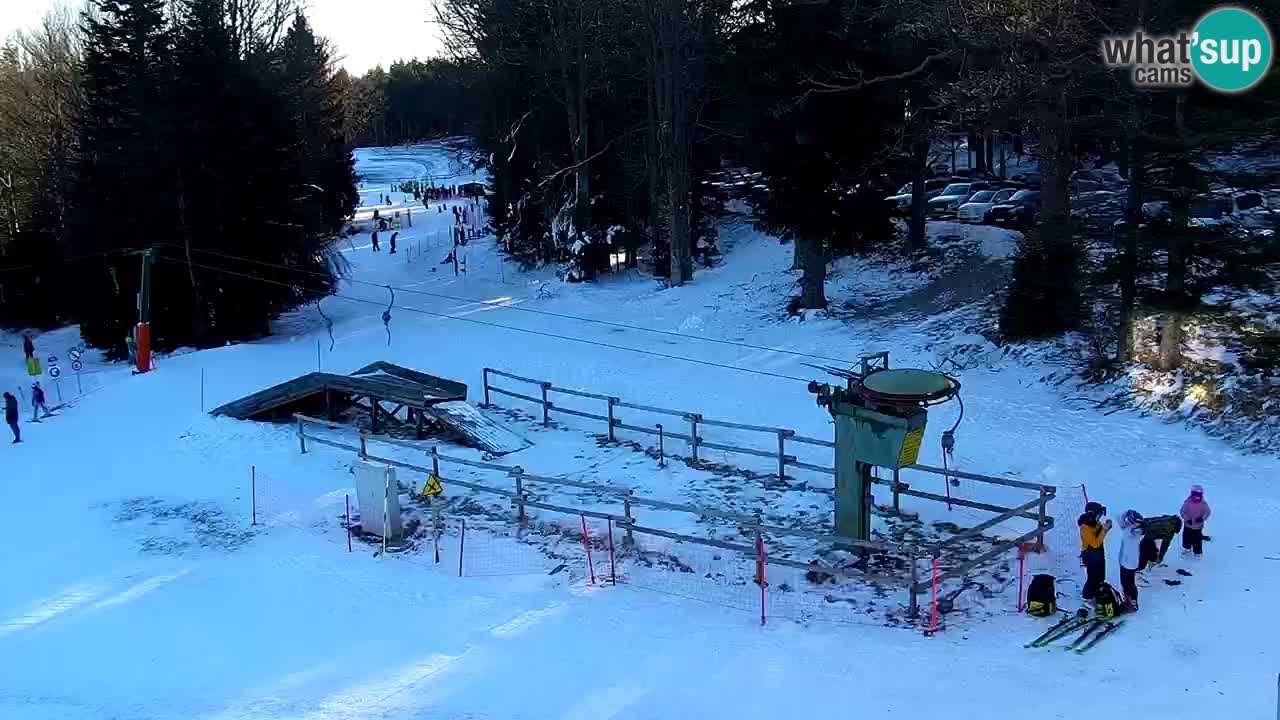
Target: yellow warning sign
x,y
911,448
433,487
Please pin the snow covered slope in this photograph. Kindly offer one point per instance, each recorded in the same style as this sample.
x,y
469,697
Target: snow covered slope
x,y
136,587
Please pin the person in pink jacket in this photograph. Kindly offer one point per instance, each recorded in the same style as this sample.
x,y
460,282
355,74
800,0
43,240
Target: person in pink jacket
x,y
1195,512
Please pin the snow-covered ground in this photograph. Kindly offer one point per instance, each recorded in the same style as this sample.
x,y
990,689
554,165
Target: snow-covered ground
x,y
136,587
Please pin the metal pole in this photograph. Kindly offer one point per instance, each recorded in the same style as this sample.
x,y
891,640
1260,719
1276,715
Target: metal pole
x,y
435,527
613,571
302,438
253,494
462,543
519,499
913,602
435,461
546,409
201,387
897,507
317,354
80,389
57,385
348,499
485,373
612,402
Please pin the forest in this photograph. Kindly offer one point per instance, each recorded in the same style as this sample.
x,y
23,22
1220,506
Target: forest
x,y
616,129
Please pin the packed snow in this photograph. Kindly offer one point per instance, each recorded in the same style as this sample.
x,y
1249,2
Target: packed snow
x,y
138,586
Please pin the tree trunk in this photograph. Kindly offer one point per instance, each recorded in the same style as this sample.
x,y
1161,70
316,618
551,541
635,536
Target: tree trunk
x,y
1176,274
917,241
1055,161
813,295
1134,163
977,152
990,146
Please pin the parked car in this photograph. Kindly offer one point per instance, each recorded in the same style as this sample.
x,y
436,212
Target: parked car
x,y
1245,209
1027,181
902,200
1020,209
1085,181
978,208
1097,212
952,197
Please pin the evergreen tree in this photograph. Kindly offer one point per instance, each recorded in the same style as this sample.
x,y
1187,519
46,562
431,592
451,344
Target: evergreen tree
x,y
120,201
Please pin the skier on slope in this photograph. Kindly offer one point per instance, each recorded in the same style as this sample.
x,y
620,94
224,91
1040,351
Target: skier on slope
x,y
1130,557
1195,512
37,402
28,347
374,237
393,242
1160,529
1093,534
11,415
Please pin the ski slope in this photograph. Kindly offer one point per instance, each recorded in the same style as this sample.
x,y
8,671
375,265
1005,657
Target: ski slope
x,y
136,587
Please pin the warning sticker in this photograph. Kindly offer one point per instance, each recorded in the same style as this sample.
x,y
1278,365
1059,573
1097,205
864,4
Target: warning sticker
x,y
911,448
433,487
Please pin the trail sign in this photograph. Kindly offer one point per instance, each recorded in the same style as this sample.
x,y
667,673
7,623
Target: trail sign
x,y
54,371
433,487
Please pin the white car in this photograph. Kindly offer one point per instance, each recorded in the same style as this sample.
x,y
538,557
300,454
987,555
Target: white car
x,y
978,208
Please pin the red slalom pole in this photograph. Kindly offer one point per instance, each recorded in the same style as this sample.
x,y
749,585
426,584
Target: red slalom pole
x,y
586,543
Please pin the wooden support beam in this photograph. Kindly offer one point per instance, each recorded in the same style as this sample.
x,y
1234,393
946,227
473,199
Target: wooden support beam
x,y
418,435
328,405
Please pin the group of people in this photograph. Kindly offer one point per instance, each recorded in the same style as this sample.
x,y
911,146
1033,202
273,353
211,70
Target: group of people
x,y
380,225
37,395
1143,542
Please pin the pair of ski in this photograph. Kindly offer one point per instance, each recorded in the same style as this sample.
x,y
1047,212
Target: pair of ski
x,y
1093,630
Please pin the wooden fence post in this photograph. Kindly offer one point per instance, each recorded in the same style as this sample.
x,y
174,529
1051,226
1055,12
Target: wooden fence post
x,y
486,387
612,401
1043,514
546,406
435,461
302,437
629,539
693,436
897,498
782,455
519,499
662,451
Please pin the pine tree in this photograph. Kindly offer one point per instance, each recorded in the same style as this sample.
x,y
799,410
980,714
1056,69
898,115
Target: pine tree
x,y
121,201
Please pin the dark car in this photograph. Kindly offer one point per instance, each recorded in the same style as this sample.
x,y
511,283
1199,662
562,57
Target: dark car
x,y
1096,213
1020,209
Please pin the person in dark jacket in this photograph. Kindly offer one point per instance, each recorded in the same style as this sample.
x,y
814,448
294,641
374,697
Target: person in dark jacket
x,y
1093,535
37,402
374,237
11,415
28,347
393,242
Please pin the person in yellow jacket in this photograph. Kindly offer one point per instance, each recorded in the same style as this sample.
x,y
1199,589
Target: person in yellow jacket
x,y
1093,534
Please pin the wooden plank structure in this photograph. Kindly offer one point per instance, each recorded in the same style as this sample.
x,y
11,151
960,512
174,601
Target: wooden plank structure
x,y
380,384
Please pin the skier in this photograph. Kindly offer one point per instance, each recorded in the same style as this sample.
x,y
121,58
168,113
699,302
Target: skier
x,y
28,347
11,416
1130,555
375,240
393,242
37,402
1161,528
1195,512
1093,533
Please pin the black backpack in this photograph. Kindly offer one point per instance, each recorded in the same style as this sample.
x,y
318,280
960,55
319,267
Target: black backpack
x,y
1042,596
1107,603
1162,527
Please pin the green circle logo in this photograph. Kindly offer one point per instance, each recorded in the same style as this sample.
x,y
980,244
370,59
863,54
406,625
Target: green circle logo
x,y
1231,49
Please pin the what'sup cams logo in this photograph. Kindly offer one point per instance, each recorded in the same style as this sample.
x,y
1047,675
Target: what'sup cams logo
x,y
1229,50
